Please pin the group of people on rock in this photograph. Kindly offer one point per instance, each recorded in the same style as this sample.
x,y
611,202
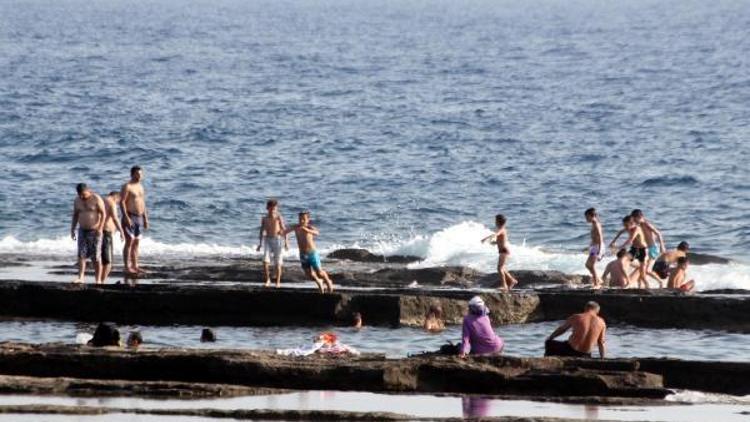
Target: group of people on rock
x,y
97,219
646,257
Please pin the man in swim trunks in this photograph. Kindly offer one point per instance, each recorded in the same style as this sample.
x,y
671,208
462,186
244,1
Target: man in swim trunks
x,y
88,215
500,238
308,256
111,224
666,260
617,270
638,248
271,236
651,233
134,217
679,275
596,247
588,328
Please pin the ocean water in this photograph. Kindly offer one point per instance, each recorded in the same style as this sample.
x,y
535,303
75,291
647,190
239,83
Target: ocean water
x,y
404,126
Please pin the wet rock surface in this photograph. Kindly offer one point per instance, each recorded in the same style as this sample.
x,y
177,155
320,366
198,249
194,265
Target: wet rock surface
x,y
240,305
485,375
363,255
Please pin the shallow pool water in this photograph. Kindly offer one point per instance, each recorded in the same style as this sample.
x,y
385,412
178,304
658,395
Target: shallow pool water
x,y
413,405
520,339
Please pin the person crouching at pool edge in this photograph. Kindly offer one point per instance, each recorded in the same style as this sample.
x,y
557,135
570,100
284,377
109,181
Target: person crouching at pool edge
x,y
478,337
588,328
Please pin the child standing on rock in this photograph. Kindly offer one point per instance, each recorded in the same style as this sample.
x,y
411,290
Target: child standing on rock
x,y
500,236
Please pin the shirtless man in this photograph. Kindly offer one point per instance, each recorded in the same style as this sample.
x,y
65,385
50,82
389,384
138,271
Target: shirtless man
x,y
617,270
308,256
507,281
88,215
679,275
134,217
651,234
271,230
111,224
589,329
638,246
596,247
666,260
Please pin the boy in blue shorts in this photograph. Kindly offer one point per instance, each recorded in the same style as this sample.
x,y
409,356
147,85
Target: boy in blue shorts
x,y
309,257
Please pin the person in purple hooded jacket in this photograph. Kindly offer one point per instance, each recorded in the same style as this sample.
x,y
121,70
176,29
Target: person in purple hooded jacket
x,y
478,336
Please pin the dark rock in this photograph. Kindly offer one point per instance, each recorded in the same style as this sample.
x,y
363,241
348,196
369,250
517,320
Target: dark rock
x,y
363,255
433,276
704,259
105,335
534,278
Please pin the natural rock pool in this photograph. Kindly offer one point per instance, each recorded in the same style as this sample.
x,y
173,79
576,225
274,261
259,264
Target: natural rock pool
x,y
520,339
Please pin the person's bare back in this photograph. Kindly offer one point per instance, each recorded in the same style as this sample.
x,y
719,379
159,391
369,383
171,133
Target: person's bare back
x,y
618,275
111,220
588,329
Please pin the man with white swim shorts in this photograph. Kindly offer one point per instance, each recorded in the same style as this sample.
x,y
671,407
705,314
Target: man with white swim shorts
x,y
272,238
596,247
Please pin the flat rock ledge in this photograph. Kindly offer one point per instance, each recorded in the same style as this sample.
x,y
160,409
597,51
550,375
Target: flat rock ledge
x,y
255,306
480,375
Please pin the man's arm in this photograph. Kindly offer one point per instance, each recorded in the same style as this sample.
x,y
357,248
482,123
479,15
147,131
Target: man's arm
x,y
617,236
310,229
261,232
282,225
559,331
601,343
74,222
116,217
657,234
146,223
124,193
101,212
607,271
497,233
630,240
289,230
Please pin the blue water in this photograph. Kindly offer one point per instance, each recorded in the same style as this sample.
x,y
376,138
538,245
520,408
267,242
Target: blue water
x,y
387,119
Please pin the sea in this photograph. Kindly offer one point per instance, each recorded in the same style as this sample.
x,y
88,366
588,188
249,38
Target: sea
x,y
404,126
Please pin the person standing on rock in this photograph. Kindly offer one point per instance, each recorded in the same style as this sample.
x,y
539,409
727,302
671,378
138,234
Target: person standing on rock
x,y
596,247
309,257
272,238
478,337
88,215
134,217
111,224
589,330
507,281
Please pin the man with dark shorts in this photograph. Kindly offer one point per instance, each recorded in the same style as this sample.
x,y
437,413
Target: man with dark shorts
x,y
134,218
111,224
88,215
665,262
588,328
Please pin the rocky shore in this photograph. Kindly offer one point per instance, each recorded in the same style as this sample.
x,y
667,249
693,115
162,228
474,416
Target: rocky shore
x,y
245,305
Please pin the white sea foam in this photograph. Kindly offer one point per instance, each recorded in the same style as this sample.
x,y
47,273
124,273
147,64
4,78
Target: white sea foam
x,y
455,245
688,396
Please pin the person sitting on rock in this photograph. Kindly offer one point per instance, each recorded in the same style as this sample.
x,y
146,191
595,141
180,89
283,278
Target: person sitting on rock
x,y
478,337
677,280
433,321
588,330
